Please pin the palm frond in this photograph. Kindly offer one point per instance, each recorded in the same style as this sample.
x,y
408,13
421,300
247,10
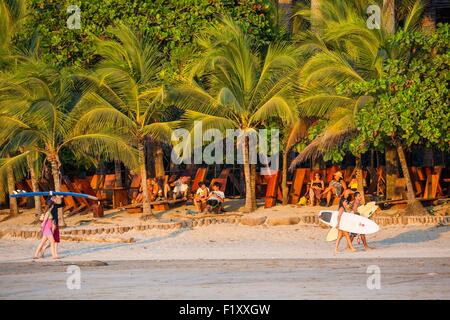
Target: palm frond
x,y
17,165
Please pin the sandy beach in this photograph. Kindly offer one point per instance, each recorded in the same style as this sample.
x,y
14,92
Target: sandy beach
x,y
228,261
235,262
244,242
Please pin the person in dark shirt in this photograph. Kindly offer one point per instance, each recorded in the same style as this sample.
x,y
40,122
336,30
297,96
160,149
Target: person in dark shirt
x,y
343,206
58,203
356,204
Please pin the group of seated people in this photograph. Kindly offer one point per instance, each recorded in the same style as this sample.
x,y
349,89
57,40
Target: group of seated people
x,y
209,201
335,189
160,189
204,199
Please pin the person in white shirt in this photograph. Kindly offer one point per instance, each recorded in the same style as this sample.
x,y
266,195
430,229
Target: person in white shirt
x,y
201,196
180,188
215,199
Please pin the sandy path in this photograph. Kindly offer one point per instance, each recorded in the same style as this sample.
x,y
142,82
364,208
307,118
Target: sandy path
x,y
242,242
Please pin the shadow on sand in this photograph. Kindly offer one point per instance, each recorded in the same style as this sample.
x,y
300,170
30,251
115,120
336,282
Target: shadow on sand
x,y
99,248
413,236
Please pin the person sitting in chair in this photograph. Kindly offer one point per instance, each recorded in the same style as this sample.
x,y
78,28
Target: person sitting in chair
x,y
215,199
201,196
335,188
153,189
315,189
180,188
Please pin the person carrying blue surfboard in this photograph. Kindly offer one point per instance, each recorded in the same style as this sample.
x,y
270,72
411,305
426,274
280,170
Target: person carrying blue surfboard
x,y
50,228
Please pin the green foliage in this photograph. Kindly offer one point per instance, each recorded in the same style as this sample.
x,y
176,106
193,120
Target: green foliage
x,y
412,98
173,24
334,154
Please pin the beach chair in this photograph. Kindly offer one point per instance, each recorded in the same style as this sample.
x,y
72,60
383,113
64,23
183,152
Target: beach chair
x,y
200,175
433,188
297,184
272,191
413,173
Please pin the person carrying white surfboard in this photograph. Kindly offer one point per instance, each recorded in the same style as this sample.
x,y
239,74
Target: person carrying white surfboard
x,y
356,205
343,206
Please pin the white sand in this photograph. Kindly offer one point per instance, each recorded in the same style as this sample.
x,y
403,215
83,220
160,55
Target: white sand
x,y
226,241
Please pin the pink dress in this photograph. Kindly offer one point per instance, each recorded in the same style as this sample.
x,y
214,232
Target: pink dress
x,y
47,228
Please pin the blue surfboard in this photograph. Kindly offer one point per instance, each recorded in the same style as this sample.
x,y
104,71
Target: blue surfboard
x,y
52,193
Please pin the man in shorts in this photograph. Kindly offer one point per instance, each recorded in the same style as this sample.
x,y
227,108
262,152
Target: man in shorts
x,y
343,206
180,188
356,204
215,199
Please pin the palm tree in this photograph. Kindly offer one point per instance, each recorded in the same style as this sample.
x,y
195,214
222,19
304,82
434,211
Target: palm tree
x,y
12,13
125,91
347,52
237,86
41,120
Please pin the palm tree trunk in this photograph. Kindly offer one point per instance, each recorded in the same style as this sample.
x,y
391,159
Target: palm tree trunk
x,y
414,207
253,185
250,197
13,207
284,186
159,160
315,11
360,178
35,187
146,209
428,157
388,18
286,12
391,171
54,161
118,174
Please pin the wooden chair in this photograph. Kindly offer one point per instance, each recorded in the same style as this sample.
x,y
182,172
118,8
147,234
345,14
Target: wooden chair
x,y
272,191
413,173
433,188
200,175
330,173
297,184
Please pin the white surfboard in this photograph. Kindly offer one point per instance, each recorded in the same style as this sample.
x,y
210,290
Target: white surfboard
x,y
332,235
349,222
368,209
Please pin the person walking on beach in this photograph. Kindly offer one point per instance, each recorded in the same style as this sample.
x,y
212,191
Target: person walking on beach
x,y
356,204
47,235
57,204
54,204
343,206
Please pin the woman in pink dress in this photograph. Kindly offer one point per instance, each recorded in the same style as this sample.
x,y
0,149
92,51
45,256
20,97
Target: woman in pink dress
x,y
47,235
